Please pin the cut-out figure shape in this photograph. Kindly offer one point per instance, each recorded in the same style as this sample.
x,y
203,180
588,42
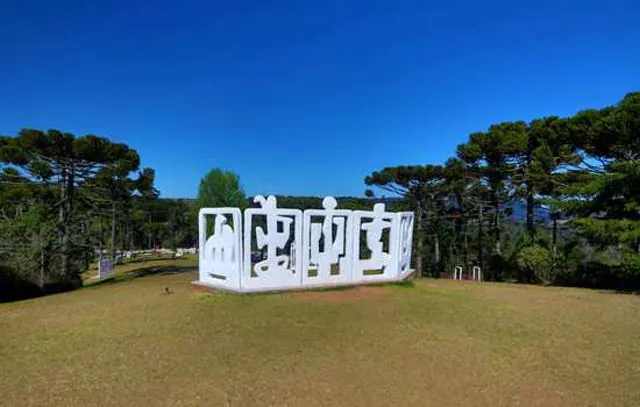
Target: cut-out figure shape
x,y
273,239
374,231
219,250
333,246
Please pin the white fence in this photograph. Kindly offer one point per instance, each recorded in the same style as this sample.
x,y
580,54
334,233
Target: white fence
x,y
289,248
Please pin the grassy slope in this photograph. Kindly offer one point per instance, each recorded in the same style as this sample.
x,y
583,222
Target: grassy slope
x,y
436,344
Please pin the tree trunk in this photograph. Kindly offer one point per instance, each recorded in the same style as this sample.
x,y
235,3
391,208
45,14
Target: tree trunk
x,y
66,206
554,237
113,230
465,242
530,197
41,260
496,224
61,222
149,233
530,213
129,238
481,237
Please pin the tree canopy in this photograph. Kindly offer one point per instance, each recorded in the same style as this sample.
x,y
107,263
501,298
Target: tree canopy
x,y
219,188
54,188
568,186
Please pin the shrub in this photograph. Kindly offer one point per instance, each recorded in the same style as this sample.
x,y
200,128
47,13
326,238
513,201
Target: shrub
x,y
536,261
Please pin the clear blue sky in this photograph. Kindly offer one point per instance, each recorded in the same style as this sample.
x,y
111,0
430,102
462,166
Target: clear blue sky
x,y
305,97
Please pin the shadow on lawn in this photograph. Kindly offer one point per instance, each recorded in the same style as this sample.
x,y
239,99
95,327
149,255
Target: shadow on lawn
x,y
146,271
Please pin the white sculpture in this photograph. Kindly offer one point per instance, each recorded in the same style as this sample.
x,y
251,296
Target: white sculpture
x,y
317,247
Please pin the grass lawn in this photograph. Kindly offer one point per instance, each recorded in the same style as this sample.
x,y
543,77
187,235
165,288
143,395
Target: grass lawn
x,y
438,343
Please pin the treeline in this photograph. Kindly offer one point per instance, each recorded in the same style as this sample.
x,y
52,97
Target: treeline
x,y
581,173
64,200
315,202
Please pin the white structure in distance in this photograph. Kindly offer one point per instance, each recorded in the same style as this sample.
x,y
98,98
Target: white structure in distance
x,y
271,249
457,273
476,273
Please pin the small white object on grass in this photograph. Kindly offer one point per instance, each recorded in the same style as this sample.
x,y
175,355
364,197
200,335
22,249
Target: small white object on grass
x,y
457,273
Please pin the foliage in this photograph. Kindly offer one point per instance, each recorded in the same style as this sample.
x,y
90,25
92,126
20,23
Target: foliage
x,y
575,181
581,172
536,261
219,188
421,188
53,187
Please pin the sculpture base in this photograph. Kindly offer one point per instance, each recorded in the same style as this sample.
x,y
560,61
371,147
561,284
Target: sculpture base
x,y
209,287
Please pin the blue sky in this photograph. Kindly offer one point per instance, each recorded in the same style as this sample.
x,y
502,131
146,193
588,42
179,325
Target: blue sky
x,y
305,97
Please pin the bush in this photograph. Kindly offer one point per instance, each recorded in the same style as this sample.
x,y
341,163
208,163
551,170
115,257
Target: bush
x,y
536,263
499,269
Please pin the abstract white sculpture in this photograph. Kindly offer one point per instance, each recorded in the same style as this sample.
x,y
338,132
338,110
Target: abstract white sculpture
x,y
320,247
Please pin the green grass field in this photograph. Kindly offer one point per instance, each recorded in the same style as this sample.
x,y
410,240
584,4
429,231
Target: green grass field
x,y
437,343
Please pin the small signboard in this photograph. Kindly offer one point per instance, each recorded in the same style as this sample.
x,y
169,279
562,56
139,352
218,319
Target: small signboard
x,y
105,268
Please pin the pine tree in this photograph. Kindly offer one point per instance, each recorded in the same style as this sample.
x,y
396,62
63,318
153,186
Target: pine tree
x,y
603,191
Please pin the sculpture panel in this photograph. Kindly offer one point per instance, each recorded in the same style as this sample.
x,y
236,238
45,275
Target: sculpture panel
x,y
382,263
281,267
327,246
220,253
